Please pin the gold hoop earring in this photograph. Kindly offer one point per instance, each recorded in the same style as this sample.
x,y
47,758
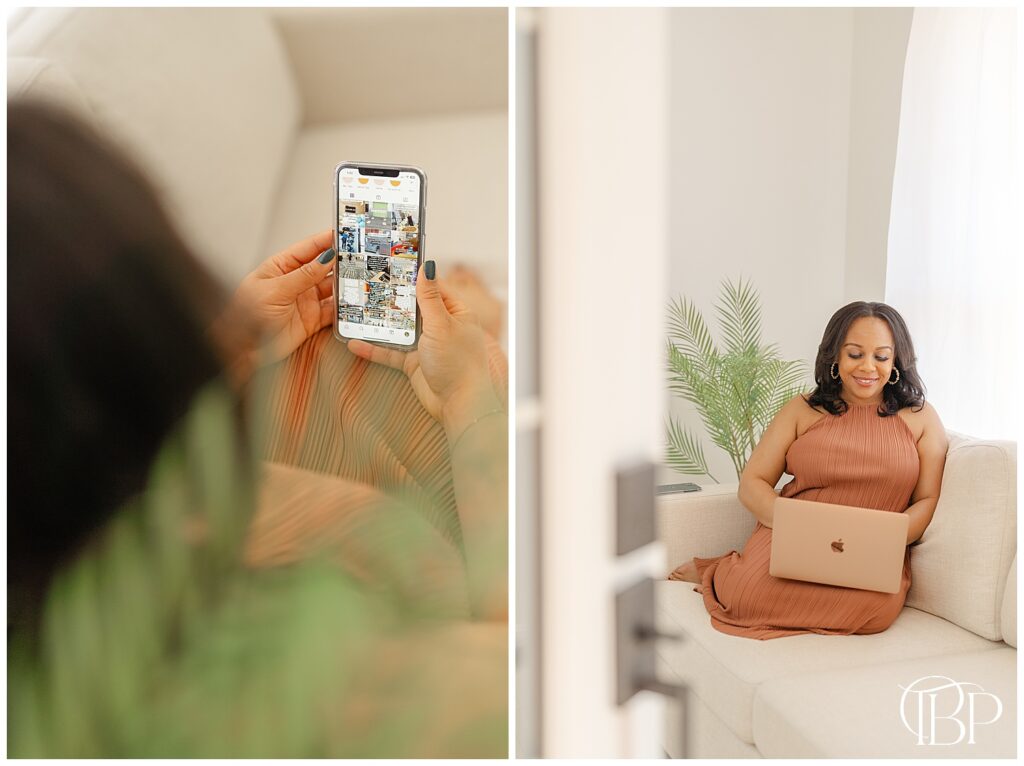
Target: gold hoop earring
x,y
894,382
833,371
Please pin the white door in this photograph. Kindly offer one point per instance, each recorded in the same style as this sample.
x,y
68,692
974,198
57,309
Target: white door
x,y
592,144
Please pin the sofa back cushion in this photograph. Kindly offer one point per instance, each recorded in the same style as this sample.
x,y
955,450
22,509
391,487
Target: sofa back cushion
x,y
202,99
1008,609
40,79
960,567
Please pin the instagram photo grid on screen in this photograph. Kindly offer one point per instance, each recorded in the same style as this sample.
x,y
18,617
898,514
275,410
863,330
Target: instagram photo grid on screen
x,y
378,248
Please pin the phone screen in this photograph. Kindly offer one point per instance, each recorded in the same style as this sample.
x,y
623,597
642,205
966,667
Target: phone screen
x,y
379,246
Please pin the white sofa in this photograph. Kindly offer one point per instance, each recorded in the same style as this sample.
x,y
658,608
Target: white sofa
x,y
841,696
240,115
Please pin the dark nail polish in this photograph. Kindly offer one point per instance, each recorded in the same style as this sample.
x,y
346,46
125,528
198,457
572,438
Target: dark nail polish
x,y
326,256
429,268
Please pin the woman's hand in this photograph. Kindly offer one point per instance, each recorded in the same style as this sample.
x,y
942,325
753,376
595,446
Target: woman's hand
x,y
290,296
449,370
464,389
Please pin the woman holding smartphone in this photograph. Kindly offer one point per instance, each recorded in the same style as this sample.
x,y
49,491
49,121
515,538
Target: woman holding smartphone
x,y
201,562
458,374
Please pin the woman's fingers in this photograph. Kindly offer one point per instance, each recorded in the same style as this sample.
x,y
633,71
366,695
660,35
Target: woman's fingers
x,y
378,354
310,274
428,296
293,256
453,304
304,251
425,393
326,312
437,302
497,364
326,287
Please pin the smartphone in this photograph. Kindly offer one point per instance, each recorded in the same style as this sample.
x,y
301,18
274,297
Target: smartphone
x,y
671,489
379,237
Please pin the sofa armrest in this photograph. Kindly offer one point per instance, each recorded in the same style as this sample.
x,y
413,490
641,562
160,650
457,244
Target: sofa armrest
x,y
708,523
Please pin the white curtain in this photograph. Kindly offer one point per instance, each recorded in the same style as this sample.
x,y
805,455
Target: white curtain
x,y
954,227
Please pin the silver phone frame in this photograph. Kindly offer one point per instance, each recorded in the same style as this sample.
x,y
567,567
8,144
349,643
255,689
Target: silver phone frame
x,y
337,252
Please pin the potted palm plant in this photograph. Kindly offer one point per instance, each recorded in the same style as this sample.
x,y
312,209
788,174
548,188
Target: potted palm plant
x,y
737,387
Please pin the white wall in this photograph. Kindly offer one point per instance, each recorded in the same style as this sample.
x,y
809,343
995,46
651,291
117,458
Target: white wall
x,y
783,126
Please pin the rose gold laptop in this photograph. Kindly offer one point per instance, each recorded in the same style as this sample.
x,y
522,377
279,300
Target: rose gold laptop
x,y
838,545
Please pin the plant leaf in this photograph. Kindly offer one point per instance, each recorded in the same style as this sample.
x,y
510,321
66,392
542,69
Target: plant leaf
x,y
739,311
737,388
687,327
684,452
780,382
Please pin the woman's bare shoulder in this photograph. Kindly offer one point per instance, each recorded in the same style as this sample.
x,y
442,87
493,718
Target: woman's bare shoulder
x,y
926,413
924,421
802,413
797,405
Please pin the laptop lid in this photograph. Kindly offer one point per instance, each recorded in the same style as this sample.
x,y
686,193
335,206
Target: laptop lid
x,y
838,545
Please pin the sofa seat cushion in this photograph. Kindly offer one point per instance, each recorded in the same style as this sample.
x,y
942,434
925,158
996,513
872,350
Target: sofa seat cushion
x,y
704,734
466,164
859,712
725,671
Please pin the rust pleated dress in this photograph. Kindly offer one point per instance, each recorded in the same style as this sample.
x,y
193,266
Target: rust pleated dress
x,y
354,464
857,458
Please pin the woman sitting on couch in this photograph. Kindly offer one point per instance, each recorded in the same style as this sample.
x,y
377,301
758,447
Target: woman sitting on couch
x,y
864,437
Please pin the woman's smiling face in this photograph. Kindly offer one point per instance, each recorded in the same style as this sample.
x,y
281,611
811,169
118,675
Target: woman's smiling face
x,y
866,360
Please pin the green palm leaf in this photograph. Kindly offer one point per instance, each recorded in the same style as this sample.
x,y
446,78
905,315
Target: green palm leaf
x,y
739,312
685,378
781,381
684,451
736,390
687,328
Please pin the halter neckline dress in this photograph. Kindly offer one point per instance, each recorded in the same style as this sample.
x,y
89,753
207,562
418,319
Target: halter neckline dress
x,y
857,458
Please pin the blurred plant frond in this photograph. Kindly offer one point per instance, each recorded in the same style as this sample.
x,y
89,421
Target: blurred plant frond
x,y
159,641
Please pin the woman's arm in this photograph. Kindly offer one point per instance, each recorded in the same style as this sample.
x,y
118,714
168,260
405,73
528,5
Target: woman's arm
x,y
477,428
931,449
458,379
768,462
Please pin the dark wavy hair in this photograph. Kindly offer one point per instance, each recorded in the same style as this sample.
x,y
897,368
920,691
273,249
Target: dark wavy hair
x,y
828,393
109,338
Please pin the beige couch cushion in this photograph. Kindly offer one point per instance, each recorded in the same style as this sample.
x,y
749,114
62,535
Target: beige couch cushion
x,y
1008,609
706,736
706,523
856,712
466,164
39,79
202,98
725,671
959,568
